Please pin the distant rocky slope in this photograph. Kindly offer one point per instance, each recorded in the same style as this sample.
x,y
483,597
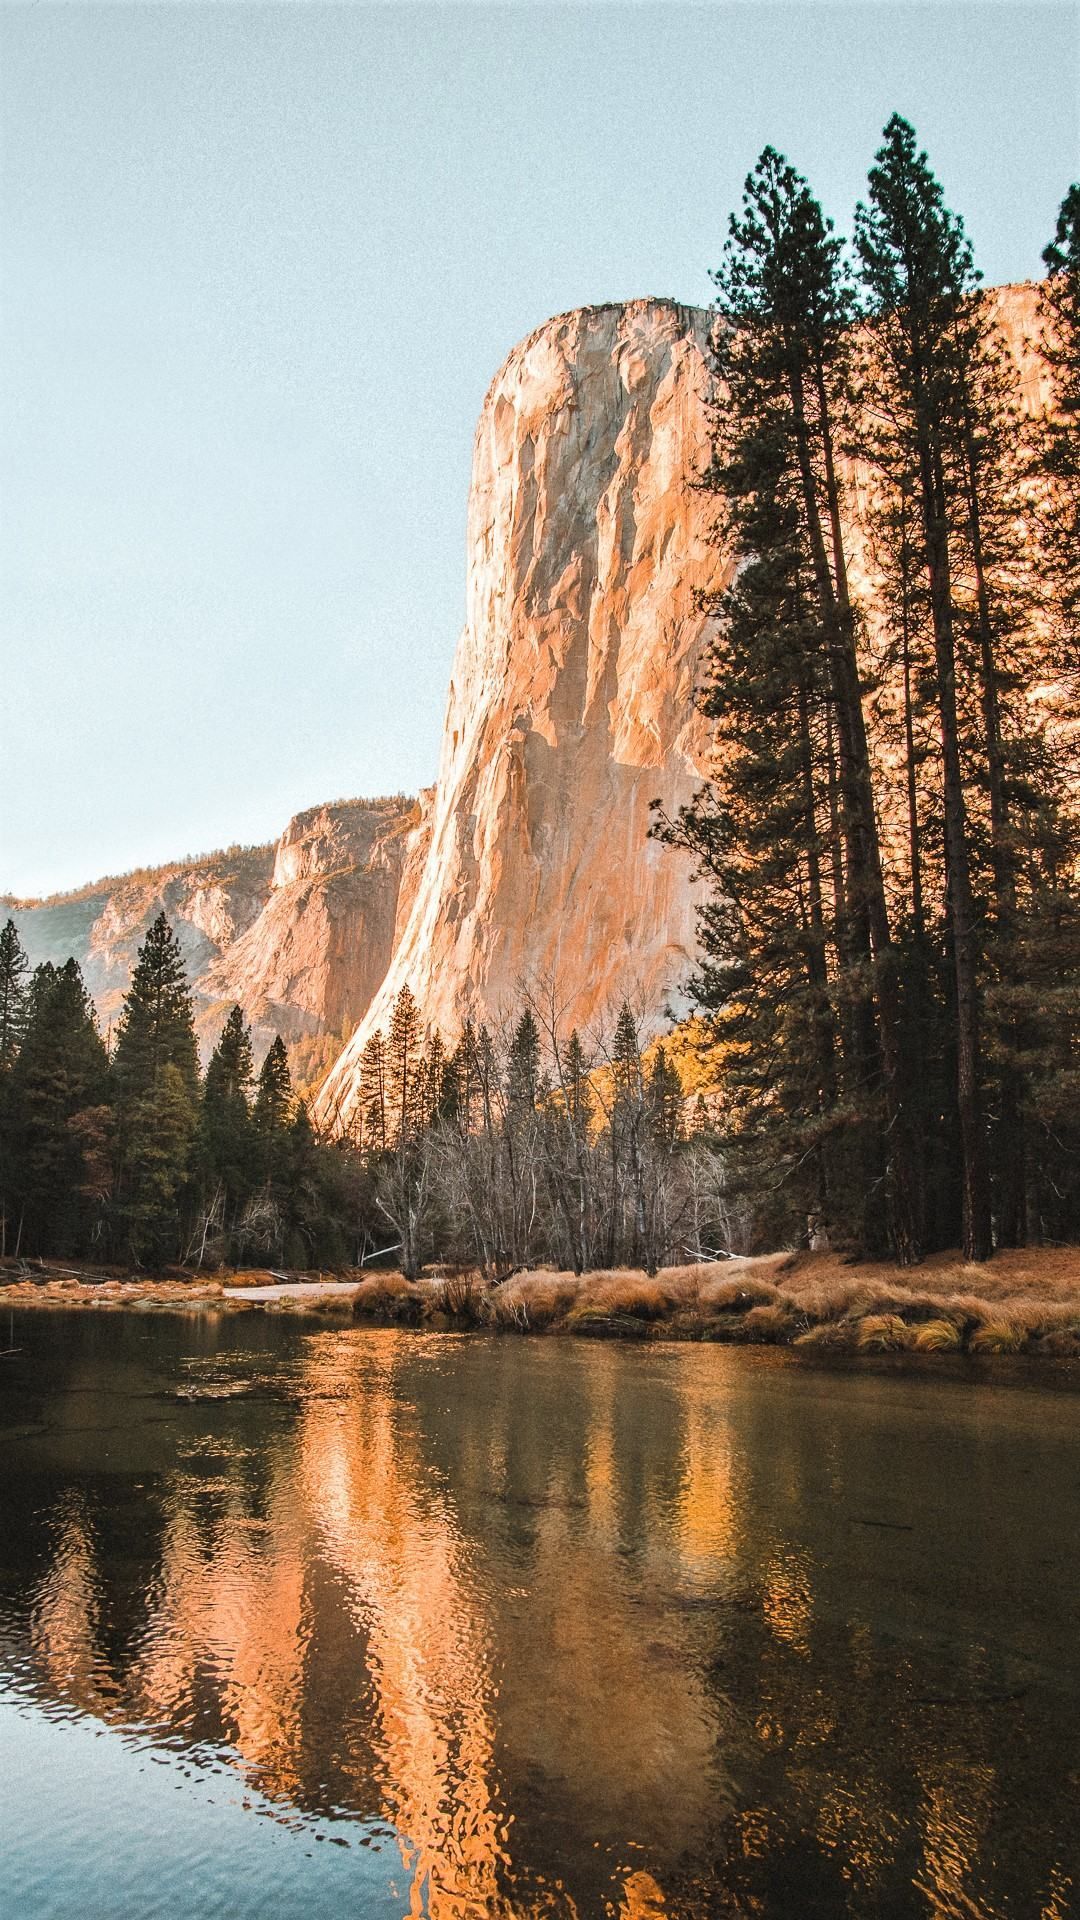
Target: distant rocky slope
x,y
300,933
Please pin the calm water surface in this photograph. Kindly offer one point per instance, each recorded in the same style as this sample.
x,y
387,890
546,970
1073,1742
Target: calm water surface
x,y
297,1620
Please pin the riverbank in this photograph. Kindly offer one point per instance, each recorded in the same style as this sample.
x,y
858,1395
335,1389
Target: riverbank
x,y
1026,1301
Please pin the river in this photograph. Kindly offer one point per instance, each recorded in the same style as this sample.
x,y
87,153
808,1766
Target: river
x,y
302,1620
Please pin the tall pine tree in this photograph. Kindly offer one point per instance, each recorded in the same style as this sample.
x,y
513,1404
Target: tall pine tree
x,y
156,1082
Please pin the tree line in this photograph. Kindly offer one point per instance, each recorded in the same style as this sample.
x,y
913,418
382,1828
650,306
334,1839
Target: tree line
x,y
891,941
518,1145
134,1156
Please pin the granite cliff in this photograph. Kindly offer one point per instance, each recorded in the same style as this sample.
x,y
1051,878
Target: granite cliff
x,y
570,705
299,932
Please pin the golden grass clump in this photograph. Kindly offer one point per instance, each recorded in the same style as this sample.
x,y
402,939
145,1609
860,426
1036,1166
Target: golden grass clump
x,y
642,1296
999,1336
384,1293
883,1333
531,1301
836,1334
773,1321
937,1336
738,1294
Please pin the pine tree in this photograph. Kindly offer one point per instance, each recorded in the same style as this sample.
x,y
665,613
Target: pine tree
x,y
14,1012
160,1133
800,970
60,1075
373,1093
402,1067
274,1096
523,1066
14,969
157,1024
156,1081
226,1144
577,1090
1058,447
941,378
665,1099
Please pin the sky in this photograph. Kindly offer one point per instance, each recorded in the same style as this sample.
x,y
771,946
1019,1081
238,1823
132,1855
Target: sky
x,y
258,266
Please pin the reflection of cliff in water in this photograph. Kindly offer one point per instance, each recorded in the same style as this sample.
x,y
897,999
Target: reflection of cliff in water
x,y
581,1624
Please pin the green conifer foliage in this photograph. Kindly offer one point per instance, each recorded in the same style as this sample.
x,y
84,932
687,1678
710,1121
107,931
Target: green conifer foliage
x,y
523,1067
60,1075
160,1138
373,1093
1058,447
274,1095
14,973
156,1081
940,376
578,1095
665,1099
14,1012
798,972
157,1025
226,1134
403,1061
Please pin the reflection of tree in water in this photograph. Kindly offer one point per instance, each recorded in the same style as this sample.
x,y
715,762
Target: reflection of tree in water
x,y
596,1632
885,1763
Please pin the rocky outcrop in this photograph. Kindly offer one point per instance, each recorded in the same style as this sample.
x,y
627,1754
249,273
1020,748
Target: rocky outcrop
x,y
299,933
570,706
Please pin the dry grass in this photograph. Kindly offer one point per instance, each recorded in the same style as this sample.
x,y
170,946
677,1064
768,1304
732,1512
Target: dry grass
x,y
387,1296
1022,1302
999,1335
773,1322
459,1295
883,1333
1018,1302
937,1336
737,1295
531,1302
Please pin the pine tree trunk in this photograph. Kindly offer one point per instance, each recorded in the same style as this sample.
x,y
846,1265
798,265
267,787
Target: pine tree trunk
x,y
1010,1181
872,939
975,1180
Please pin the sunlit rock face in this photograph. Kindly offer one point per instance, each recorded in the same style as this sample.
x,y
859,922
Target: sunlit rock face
x,y
314,956
571,701
299,933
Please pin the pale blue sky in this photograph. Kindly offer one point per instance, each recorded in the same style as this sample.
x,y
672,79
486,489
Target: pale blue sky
x,y
259,266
